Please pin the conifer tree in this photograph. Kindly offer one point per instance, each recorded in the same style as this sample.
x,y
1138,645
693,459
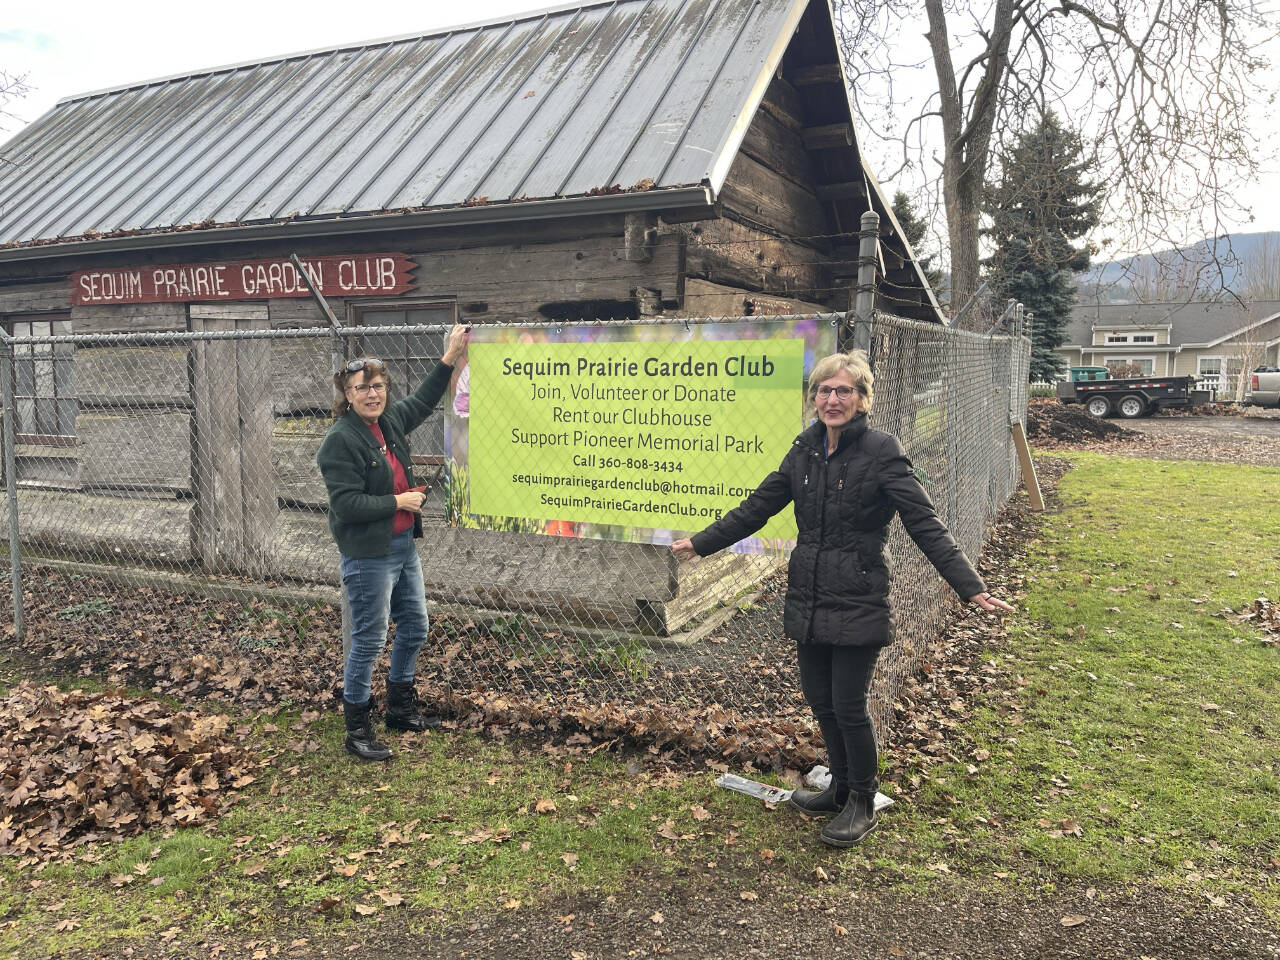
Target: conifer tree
x,y
1041,207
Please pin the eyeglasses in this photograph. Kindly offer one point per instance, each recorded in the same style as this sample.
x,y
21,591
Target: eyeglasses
x,y
364,389
358,364
844,393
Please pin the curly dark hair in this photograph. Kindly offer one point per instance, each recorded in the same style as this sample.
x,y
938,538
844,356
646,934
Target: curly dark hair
x,y
370,367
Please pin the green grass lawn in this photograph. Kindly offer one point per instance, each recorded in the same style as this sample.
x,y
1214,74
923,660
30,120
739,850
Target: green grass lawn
x,y
1141,738
1130,736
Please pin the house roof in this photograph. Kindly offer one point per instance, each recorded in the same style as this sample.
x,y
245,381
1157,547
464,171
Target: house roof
x,y
591,100
1190,324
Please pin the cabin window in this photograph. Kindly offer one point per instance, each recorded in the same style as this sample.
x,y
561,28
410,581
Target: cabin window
x,y
44,381
1144,338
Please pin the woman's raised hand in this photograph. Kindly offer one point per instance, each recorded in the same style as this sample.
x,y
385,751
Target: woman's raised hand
x,y
456,345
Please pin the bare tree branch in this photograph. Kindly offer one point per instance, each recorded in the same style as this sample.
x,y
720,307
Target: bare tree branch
x,y
1163,92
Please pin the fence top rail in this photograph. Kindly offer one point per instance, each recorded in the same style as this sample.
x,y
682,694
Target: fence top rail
x,y
161,337
943,333
154,337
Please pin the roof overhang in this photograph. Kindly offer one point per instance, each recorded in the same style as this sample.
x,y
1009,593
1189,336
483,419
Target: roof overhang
x,y
1241,331
686,199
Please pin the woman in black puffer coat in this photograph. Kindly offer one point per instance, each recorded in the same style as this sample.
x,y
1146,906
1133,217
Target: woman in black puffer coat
x,y
846,482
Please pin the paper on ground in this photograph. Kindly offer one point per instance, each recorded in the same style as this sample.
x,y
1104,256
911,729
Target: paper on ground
x,y
772,794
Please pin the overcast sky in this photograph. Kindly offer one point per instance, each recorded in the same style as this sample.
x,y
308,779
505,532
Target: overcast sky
x,y
68,47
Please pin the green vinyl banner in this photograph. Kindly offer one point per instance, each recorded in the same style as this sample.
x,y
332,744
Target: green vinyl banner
x,y
642,440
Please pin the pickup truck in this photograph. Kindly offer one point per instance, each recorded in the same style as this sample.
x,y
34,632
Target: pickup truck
x,y
1130,397
1264,388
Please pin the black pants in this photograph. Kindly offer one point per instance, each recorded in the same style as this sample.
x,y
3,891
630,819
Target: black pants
x,y
835,681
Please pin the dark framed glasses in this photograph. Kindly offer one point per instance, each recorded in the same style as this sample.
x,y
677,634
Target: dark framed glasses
x,y
358,364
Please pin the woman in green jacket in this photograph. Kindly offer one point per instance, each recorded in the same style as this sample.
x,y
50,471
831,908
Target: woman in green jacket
x,y
375,516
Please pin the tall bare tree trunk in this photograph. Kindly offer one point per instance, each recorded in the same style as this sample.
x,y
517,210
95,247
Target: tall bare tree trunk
x,y
962,227
967,129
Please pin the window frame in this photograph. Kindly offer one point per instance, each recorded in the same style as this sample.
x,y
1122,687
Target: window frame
x,y
69,439
1151,360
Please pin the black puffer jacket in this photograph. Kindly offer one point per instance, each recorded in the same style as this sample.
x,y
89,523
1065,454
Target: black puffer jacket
x,y
838,586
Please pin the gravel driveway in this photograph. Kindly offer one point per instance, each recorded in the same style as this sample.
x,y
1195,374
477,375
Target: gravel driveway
x,y
1257,425
1252,439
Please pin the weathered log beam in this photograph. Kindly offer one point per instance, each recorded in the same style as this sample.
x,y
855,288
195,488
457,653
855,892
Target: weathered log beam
x,y
764,196
828,136
818,73
640,233
849,190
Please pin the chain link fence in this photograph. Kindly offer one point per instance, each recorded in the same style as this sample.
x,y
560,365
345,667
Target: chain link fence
x,y
167,522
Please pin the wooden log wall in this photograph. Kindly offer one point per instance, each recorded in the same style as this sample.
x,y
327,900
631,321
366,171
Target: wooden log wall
x,y
773,237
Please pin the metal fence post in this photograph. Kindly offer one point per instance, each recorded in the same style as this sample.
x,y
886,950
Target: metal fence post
x,y
11,483
864,303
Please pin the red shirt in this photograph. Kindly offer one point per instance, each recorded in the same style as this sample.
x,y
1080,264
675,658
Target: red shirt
x,y
400,481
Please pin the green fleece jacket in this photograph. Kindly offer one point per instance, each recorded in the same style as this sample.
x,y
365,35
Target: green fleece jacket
x,y
358,476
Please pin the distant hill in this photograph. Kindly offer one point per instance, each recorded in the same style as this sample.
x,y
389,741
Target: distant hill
x,y
1207,269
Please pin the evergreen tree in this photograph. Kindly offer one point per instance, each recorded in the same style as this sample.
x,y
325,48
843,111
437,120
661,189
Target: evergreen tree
x,y
1042,205
915,229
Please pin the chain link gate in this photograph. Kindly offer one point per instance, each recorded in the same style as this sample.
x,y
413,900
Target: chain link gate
x,y
175,538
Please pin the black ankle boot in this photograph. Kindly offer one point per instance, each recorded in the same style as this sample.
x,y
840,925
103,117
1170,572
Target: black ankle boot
x,y
402,709
820,803
855,821
361,740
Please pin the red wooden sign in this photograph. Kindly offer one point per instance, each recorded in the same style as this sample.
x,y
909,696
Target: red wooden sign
x,y
358,275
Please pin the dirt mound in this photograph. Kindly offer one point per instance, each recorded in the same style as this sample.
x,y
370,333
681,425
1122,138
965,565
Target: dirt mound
x,y
77,767
1051,424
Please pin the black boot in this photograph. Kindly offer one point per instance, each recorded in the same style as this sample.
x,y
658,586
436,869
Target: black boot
x,y
361,740
855,821
820,803
402,709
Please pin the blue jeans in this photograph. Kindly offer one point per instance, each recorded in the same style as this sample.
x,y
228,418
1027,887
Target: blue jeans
x,y
378,589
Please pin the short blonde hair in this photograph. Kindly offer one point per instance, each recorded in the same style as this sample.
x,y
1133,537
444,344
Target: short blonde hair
x,y
855,362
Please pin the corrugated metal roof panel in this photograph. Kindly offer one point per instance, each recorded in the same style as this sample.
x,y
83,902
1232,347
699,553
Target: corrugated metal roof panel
x,y
556,103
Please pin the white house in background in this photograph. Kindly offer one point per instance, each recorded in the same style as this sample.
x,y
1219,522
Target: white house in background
x,y
1218,343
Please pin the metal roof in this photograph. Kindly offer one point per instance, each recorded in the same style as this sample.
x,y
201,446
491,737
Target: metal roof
x,y
581,101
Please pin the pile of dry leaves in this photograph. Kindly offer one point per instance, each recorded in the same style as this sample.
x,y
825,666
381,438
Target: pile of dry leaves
x,y
77,767
1217,409
737,698
1264,614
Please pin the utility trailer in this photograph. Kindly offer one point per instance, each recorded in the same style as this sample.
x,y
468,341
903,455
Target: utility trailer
x,y
1130,397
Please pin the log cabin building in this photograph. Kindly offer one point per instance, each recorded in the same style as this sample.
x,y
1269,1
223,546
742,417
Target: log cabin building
x,y
621,159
